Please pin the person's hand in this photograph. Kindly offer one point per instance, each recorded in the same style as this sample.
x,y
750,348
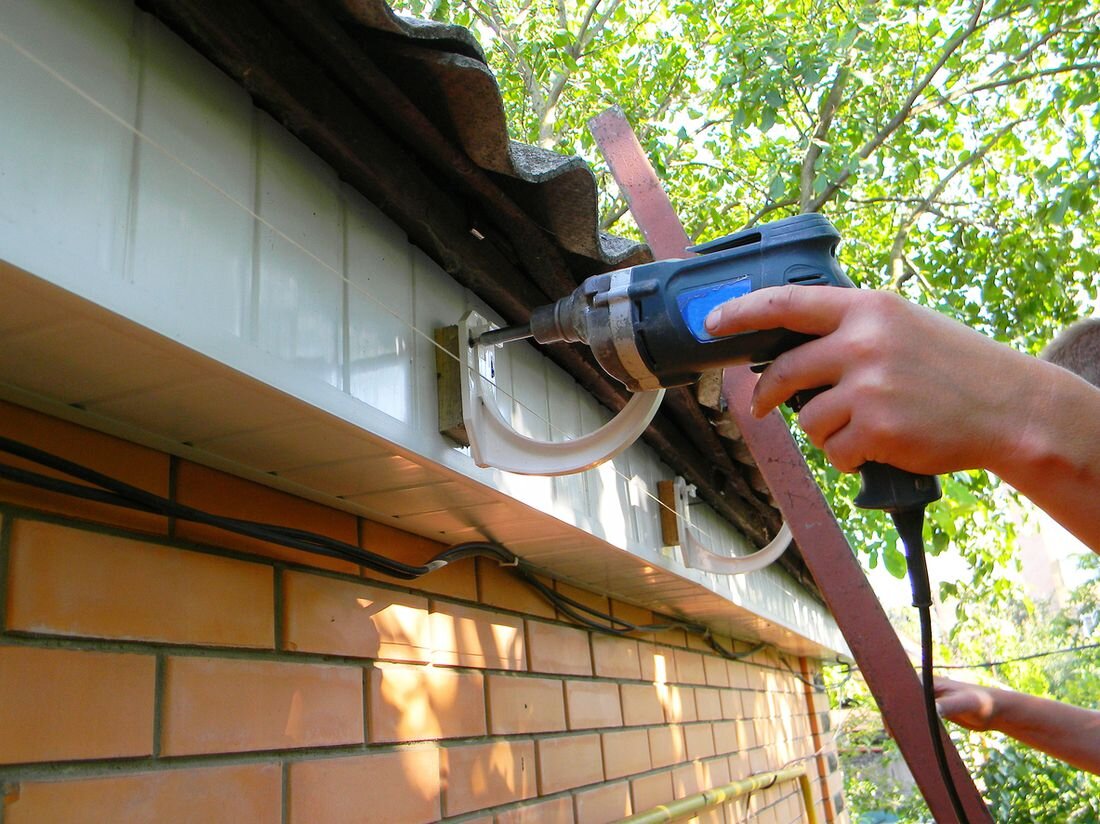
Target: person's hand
x,y
968,705
909,387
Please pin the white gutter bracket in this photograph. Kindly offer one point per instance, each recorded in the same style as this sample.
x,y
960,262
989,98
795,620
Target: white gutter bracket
x,y
493,441
697,556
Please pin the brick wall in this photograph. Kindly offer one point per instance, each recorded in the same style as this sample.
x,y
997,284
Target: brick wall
x,y
152,670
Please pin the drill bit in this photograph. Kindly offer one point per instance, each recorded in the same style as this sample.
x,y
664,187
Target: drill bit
x,y
506,334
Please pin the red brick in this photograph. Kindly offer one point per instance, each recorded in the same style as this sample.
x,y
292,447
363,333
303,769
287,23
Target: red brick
x,y
718,771
230,705
567,762
755,705
591,704
590,599
671,637
698,643
556,810
485,775
708,704
66,581
689,667
60,705
136,465
625,752
679,703
346,618
249,792
688,779
717,672
602,804
399,787
739,766
221,494
468,637
758,760
747,734
499,587
525,705
642,704
657,664
699,740
422,703
731,704
666,745
739,674
616,657
557,649
457,580
650,791
639,616
725,737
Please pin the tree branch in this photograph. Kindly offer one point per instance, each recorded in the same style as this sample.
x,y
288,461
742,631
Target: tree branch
x,y
1037,44
611,217
582,33
763,211
966,91
904,110
547,114
506,35
897,251
826,112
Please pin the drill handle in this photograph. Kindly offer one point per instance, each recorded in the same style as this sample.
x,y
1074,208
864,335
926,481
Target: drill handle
x,y
883,486
892,490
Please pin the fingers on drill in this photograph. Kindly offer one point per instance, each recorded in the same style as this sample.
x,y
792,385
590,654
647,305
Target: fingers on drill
x,y
809,366
824,416
845,449
814,311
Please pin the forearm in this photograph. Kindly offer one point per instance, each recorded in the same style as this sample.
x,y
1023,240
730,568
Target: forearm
x,y
1069,733
1053,457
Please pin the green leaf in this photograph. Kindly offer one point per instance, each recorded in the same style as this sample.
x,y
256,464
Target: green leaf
x,y
894,561
767,119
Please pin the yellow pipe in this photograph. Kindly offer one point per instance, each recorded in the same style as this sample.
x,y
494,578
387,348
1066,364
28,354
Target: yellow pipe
x,y
692,804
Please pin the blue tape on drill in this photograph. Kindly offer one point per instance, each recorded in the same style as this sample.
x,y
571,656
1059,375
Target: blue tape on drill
x,y
696,304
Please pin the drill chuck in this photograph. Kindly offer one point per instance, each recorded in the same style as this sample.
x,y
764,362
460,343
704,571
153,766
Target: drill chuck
x,y
644,324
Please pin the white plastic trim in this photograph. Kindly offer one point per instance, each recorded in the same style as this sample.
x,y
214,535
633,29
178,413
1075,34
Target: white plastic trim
x,y
698,556
494,443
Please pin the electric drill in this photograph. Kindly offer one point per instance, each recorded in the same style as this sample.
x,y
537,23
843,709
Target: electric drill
x,y
645,327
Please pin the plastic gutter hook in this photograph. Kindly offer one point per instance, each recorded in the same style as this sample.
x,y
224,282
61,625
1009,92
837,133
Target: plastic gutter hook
x,y
494,443
697,556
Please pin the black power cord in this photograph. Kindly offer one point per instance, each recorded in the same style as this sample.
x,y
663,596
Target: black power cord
x,y
100,488
108,490
910,526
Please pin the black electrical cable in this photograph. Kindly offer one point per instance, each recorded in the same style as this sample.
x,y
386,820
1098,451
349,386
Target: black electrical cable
x,y
910,526
118,493
1029,657
104,489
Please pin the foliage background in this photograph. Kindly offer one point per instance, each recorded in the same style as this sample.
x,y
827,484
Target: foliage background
x,y
953,143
